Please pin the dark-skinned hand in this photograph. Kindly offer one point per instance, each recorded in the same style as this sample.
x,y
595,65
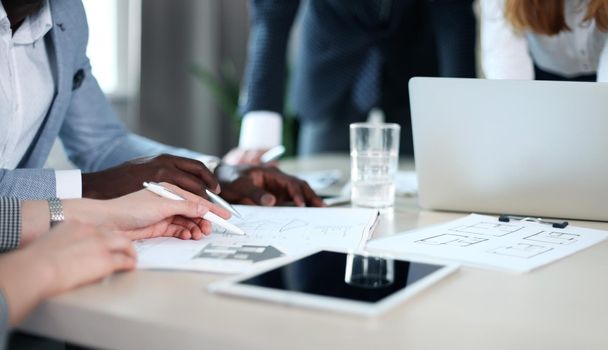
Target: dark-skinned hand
x,y
267,186
189,174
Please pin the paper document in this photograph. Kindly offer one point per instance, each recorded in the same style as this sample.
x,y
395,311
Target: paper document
x,y
320,179
406,185
483,241
270,232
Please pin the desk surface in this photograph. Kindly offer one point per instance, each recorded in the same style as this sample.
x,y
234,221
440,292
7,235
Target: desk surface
x,y
560,306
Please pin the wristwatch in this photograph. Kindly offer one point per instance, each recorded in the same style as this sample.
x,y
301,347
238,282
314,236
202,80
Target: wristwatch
x,y
56,211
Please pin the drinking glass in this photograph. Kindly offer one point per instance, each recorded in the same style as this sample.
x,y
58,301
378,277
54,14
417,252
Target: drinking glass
x,y
367,271
374,155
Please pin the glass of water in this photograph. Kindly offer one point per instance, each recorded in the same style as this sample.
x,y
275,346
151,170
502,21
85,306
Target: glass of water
x,y
368,271
374,156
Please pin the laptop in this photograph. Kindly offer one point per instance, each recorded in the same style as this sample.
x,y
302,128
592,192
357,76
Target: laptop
x,y
531,148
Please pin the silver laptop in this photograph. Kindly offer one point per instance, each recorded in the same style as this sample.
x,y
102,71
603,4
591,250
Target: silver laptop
x,y
532,148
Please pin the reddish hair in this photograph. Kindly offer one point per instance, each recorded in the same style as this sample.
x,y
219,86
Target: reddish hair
x,y
547,16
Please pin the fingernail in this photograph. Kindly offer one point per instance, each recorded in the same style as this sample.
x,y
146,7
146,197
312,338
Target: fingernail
x,y
218,189
268,199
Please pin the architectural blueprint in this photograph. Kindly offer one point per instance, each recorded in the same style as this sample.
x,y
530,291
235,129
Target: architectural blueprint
x,y
276,231
483,241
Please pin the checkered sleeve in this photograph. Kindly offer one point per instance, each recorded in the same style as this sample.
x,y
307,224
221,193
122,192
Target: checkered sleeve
x,y
4,326
10,223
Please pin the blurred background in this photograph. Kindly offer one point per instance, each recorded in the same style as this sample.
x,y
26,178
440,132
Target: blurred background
x,y
144,55
160,63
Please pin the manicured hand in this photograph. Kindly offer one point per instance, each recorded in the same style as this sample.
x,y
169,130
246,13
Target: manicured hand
x,y
123,179
239,156
69,256
267,186
143,214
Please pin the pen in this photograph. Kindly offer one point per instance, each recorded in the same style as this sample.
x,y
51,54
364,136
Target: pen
x,y
167,193
272,154
222,203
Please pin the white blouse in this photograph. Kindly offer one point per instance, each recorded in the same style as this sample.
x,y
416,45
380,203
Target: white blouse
x,y
509,55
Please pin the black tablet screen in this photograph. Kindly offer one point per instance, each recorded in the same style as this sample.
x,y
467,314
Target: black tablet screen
x,y
325,273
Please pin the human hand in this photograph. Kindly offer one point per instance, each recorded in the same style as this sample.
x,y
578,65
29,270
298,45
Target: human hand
x,y
71,255
143,214
189,174
238,156
266,186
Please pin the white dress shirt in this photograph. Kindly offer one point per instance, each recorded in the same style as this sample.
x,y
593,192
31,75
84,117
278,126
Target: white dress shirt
x,y
510,55
26,93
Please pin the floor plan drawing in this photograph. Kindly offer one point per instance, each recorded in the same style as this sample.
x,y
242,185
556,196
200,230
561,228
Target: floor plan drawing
x,y
486,242
453,240
521,250
554,237
496,229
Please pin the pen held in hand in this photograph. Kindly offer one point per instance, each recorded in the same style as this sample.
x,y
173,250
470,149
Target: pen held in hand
x,y
272,154
222,203
209,216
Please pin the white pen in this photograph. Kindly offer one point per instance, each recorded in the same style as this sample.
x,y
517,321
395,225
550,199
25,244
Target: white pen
x,y
222,203
272,154
167,193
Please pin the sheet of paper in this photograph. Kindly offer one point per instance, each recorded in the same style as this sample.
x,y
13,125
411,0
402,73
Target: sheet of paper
x,y
288,229
406,185
483,241
320,179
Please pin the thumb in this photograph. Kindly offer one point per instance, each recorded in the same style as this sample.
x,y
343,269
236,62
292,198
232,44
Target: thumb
x,y
261,197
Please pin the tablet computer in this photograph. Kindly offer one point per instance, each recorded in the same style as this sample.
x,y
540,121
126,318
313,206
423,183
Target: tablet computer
x,y
355,283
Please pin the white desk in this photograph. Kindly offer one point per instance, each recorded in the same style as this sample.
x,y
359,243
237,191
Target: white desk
x,y
560,306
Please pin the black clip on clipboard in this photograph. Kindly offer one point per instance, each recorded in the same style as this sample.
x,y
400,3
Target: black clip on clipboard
x,y
555,224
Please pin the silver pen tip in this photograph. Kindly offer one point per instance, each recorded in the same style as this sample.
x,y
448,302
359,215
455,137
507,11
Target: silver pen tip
x,y
223,203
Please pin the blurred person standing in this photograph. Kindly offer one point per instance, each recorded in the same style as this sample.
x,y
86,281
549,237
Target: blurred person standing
x,y
353,56
545,40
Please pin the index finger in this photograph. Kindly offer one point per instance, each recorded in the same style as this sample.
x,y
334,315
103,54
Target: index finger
x,y
310,196
197,168
214,208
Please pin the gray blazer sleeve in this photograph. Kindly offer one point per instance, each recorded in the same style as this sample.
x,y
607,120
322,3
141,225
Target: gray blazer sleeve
x,y
4,327
27,183
10,223
93,136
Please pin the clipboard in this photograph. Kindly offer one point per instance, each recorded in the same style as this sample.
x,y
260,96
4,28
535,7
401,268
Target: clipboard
x,y
554,224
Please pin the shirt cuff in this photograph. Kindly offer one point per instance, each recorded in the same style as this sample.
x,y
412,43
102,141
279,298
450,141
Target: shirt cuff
x,y
261,130
69,184
211,162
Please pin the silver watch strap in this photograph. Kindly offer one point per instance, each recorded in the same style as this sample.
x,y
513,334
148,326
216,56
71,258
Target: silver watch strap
x,y
56,210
